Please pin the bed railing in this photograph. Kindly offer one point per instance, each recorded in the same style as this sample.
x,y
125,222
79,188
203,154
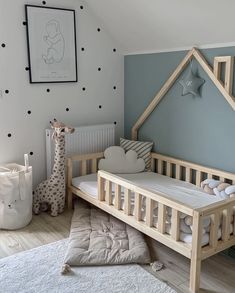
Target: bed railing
x,y
222,227
187,171
88,163
124,191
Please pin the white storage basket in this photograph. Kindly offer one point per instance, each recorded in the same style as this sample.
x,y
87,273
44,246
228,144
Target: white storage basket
x,y
15,195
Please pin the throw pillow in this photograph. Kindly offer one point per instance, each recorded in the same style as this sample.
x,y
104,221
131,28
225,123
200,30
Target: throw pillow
x,y
142,148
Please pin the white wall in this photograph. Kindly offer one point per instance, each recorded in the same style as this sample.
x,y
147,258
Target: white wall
x,y
28,130
165,25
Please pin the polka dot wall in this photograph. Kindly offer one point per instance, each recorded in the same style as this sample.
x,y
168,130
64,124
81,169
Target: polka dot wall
x,y
26,109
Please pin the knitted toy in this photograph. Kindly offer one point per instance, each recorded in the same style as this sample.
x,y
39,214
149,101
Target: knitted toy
x,y
218,188
51,192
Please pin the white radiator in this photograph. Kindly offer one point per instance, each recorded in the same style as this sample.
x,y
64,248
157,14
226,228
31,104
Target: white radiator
x,y
85,139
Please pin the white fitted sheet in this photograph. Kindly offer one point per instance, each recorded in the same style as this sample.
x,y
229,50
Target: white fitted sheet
x,y
181,191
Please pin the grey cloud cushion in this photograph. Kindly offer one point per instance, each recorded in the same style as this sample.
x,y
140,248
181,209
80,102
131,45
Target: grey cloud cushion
x,y
119,162
97,238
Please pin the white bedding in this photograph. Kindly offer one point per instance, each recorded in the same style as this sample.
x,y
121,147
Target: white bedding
x,y
181,191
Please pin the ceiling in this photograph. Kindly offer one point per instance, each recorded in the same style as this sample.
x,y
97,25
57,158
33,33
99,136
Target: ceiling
x,y
141,26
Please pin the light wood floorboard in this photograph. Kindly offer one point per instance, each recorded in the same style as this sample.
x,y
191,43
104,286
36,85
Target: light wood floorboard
x,y
42,230
218,272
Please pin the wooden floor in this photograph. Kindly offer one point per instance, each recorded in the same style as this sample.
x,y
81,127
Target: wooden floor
x,y
42,230
218,272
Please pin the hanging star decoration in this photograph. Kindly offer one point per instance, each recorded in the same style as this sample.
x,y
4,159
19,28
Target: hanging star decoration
x,y
191,84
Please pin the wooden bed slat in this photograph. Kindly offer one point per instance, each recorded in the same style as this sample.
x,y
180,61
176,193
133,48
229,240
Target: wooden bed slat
x,y
101,193
84,167
160,166
161,218
94,165
138,201
226,220
168,169
188,175
177,172
175,225
127,201
198,178
153,165
117,199
149,212
209,176
215,222
108,192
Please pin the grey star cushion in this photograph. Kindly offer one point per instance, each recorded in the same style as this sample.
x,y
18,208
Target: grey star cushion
x,y
97,238
191,84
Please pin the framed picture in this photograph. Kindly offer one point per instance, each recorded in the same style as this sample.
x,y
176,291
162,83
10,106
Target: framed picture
x,y
51,37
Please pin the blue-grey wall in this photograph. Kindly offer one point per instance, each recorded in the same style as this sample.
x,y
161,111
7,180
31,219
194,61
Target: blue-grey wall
x,y
198,129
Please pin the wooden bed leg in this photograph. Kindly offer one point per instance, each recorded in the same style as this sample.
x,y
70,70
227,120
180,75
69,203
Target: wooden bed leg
x,y
69,183
195,267
195,272
69,199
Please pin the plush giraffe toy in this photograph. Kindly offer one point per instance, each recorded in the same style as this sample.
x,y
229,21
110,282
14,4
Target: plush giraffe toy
x,y
51,192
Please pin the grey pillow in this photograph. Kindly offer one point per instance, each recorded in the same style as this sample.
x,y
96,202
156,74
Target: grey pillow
x,y
142,148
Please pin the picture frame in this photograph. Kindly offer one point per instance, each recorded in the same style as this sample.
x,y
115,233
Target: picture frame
x,y
51,42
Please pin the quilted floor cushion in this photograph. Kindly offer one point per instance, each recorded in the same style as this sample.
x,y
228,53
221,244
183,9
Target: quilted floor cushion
x,y
97,238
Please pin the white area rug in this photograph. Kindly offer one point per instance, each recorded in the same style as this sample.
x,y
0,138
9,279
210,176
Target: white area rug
x,y
38,270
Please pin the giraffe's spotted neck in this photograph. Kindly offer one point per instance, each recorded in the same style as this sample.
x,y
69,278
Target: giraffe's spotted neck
x,y
59,159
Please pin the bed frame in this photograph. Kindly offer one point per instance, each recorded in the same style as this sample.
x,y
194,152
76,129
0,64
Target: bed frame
x,y
173,168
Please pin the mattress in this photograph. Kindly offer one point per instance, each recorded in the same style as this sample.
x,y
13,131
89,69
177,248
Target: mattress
x,y
178,190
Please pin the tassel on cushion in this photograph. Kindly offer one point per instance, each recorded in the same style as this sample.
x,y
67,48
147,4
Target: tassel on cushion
x,y
65,269
157,266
